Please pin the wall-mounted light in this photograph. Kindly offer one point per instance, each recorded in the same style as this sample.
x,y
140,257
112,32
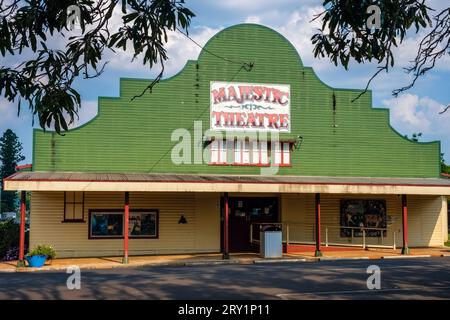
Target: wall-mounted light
x,y
298,142
182,220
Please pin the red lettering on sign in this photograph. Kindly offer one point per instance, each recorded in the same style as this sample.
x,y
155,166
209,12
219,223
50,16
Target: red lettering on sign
x,y
251,120
243,93
219,95
284,120
273,120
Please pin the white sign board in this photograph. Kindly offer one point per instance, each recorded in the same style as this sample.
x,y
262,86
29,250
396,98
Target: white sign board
x,y
250,107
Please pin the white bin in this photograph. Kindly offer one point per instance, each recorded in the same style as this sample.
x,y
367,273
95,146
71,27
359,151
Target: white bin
x,y
271,244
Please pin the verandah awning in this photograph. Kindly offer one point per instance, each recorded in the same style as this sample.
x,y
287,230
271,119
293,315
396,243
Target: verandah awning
x,y
152,182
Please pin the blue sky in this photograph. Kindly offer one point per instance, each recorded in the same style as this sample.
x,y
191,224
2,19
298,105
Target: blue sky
x,y
415,111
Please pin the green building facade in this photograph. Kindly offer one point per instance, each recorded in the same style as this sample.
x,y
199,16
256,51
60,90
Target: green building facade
x,y
340,136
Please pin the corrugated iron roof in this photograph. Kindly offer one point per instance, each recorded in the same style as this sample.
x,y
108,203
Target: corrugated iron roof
x,y
154,177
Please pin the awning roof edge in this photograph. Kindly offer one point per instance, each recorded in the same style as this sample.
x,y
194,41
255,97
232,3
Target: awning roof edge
x,y
152,182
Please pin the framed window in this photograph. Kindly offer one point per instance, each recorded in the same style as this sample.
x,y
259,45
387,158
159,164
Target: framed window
x,y
214,151
264,153
108,224
245,152
73,206
219,152
277,154
238,152
256,159
286,153
281,153
250,153
230,148
222,151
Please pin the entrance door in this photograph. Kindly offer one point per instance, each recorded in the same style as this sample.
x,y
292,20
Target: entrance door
x,y
242,213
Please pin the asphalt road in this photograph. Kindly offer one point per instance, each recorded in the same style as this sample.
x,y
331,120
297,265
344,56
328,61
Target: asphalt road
x,y
427,278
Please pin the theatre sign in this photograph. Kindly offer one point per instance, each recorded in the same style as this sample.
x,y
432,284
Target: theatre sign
x,y
250,107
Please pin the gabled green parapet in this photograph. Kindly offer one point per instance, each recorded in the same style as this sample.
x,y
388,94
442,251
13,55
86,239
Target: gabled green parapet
x,y
340,137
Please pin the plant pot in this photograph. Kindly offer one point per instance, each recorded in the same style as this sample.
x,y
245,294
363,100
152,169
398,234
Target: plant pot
x,y
36,261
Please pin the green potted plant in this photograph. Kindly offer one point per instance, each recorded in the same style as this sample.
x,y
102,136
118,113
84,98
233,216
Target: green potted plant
x,y
50,252
39,255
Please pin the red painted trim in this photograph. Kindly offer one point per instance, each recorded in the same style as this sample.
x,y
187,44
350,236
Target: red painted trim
x,y
405,220
299,248
317,213
225,225
25,166
240,164
125,224
23,197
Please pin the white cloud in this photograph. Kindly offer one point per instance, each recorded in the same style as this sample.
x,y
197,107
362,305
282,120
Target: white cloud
x,y
9,118
253,5
298,28
88,111
8,114
406,52
410,113
405,111
253,19
179,50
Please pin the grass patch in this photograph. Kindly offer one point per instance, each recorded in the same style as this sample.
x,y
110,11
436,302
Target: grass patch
x,y
448,242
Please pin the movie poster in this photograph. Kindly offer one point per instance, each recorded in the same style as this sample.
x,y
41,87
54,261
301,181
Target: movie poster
x,y
363,213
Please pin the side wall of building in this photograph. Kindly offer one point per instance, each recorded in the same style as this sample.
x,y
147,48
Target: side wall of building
x,y
201,233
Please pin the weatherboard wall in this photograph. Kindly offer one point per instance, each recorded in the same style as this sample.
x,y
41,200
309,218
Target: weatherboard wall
x,y
427,222
201,233
340,137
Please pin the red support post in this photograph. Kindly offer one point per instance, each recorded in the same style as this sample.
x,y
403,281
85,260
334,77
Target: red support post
x,y
318,252
125,227
23,199
226,254
405,249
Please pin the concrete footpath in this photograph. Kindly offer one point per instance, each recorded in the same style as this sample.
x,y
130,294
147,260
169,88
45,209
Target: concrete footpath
x,y
216,259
